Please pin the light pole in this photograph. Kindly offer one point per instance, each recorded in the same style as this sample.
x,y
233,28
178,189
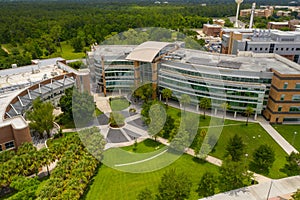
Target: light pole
x,y
246,156
295,133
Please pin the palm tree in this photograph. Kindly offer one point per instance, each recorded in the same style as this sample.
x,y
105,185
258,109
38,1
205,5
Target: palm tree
x,y
166,94
225,106
205,104
185,99
248,112
45,158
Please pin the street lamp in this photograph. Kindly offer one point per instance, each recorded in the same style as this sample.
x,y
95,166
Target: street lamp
x,y
246,156
295,133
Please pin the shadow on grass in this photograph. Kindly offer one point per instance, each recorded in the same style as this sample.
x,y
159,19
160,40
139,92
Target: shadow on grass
x,y
258,169
199,160
151,143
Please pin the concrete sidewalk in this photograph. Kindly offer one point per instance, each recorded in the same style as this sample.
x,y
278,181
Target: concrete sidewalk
x,y
215,161
287,147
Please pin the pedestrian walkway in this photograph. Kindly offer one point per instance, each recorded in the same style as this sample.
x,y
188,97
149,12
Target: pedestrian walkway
x,y
271,190
102,103
287,147
218,114
215,161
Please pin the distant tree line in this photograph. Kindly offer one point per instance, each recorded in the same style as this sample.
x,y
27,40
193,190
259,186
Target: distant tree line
x,y
36,29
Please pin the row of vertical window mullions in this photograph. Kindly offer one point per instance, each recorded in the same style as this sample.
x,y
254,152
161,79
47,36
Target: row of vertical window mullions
x,y
205,85
218,76
213,94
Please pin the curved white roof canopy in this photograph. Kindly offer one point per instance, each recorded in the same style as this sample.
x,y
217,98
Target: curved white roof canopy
x,y
147,51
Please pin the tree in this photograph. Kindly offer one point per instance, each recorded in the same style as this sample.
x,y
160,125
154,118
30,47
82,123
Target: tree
x,y
235,148
263,158
205,104
296,195
93,141
144,92
157,116
292,167
248,112
116,119
41,117
166,93
83,107
145,194
174,186
233,175
25,186
45,158
180,141
184,100
207,185
225,106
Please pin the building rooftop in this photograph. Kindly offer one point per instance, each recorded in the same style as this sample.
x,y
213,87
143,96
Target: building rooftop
x,y
147,51
20,77
245,61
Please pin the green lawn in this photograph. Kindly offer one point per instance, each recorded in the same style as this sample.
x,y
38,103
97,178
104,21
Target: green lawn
x,y
253,136
114,184
68,52
119,103
288,132
144,147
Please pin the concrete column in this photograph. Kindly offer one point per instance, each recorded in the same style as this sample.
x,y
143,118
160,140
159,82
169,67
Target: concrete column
x,y
234,114
120,93
180,105
103,75
255,116
154,79
197,107
216,111
159,97
137,74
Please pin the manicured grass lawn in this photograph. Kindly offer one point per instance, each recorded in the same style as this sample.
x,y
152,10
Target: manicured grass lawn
x,y
144,147
288,132
118,104
114,184
253,136
68,52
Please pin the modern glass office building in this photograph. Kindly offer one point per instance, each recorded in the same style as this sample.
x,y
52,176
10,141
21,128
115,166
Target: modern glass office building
x,y
241,81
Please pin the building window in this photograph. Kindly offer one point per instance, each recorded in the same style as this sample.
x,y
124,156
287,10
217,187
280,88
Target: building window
x,y
255,49
297,49
266,49
295,109
260,48
297,86
279,108
276,49
292,49
250,49
285,85
281,49
287,49
1,148
296,97
282,97
9,145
